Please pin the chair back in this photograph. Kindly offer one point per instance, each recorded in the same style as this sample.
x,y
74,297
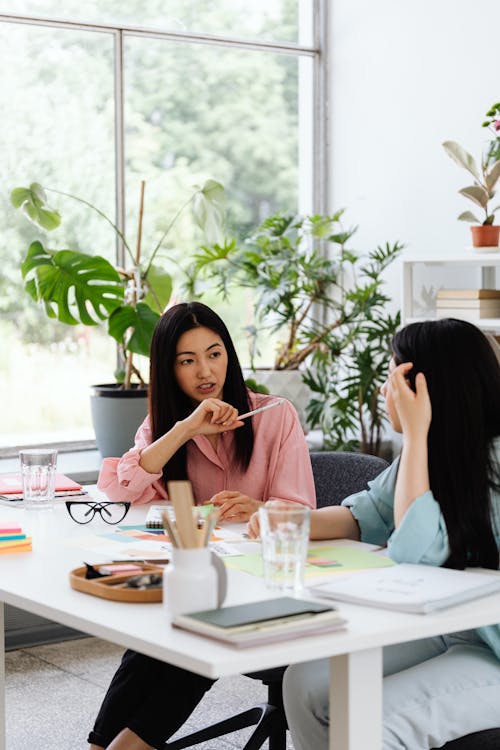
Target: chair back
x,y
338,475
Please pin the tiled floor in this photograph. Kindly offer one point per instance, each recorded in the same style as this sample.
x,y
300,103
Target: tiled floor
x,y
54,692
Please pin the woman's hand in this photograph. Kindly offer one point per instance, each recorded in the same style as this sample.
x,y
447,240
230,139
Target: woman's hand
x,y
254,526
211,417
234,506
413,407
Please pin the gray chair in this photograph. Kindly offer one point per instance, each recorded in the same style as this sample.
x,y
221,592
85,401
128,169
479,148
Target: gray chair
x,y
336,475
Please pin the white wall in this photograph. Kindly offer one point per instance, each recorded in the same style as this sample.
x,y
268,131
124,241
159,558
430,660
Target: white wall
x,y
405,76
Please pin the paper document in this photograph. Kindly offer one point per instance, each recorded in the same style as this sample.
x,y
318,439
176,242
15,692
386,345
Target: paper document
x,y
410,588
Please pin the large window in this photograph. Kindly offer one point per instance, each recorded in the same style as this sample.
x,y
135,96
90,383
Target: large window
x,y
92,104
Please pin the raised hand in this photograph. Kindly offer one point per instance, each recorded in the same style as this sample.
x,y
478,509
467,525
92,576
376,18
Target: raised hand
x,y
211,417
413,407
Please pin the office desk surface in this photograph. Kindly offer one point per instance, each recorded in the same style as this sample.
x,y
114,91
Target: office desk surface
x,y
38,581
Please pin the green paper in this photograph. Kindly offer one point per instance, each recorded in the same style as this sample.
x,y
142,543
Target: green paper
x,y
342,559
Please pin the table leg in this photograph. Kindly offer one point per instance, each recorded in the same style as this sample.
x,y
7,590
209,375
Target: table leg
x,y
2,678
356,701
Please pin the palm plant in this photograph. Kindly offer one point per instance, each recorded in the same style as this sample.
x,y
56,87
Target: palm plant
x,y
331,312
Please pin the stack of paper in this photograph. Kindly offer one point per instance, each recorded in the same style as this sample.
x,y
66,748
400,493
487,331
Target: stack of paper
x,y
12,538
410,588
261,622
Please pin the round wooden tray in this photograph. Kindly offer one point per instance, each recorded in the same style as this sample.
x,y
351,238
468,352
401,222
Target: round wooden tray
x,y
110,587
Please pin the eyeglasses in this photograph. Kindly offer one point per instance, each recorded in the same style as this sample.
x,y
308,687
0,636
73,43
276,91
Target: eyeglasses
x,y
83,512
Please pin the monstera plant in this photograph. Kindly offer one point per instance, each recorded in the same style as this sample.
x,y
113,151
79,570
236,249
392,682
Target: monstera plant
x,y
78,287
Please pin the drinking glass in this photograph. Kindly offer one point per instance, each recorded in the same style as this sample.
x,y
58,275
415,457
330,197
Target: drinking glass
x,y
284,533
38,472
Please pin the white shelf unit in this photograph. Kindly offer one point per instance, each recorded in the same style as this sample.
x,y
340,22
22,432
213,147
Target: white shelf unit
x,y
486,263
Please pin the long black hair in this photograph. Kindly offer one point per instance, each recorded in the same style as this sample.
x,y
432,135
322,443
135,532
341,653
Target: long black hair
x,y
463,378
168,403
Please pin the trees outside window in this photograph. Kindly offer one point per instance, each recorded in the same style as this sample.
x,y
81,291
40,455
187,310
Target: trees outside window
x,y
193,108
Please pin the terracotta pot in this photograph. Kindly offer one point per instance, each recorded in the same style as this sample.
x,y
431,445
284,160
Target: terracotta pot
x,y
485,235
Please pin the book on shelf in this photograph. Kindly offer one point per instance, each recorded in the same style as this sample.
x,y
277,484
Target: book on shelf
x,y
262,622
477,294
469,304
410,588
467,313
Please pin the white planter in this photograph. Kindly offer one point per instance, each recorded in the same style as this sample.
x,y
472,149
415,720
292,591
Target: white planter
x,y
287,383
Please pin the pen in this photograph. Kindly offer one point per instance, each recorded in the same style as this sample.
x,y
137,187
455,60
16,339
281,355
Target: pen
x,y
261,408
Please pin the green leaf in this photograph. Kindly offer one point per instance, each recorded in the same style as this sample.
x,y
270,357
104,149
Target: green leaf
x,y
75,287
256,387
18,196
158,283
468,216
209,210
33,202
141,320
492,176
462,157
476,194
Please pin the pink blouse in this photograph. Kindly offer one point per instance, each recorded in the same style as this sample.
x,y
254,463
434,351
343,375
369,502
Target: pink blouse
x,y
280,466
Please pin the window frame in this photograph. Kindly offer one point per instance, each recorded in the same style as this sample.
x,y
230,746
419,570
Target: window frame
x,y
316,201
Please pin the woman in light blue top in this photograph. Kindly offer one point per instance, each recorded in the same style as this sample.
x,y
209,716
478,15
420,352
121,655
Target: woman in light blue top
x,y
438,504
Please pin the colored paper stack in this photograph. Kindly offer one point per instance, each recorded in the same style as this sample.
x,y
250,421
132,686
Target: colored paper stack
x,y
12,538
468,304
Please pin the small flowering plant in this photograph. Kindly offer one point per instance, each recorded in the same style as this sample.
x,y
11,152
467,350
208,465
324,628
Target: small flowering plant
x,y
486,175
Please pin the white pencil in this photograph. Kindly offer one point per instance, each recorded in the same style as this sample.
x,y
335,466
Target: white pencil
x,y
261,408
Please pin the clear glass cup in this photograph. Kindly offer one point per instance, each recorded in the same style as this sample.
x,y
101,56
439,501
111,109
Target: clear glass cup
x,y
284,534
38,472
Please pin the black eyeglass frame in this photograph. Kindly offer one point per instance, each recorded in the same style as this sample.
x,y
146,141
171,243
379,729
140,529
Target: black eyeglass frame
x,y
96,506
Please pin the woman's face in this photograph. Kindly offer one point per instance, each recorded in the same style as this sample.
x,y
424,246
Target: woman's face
x,y
390,408
200,364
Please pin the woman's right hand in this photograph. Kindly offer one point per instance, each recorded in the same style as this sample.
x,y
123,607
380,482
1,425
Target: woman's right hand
x,y
212,417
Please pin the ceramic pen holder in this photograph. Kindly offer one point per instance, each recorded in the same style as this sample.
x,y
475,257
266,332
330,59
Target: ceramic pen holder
x,y
196,579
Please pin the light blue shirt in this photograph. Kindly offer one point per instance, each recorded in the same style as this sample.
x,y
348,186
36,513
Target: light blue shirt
x,y
421,536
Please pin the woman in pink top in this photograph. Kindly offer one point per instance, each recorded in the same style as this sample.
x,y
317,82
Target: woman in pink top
x,y
193,432
235,464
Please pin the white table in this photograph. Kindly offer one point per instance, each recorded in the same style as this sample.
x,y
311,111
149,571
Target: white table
x,y
38,582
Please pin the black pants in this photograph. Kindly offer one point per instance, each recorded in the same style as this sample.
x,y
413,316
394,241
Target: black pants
x,y
151,698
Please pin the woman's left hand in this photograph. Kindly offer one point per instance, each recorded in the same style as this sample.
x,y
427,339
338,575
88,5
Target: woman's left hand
x,y
234,506
413,407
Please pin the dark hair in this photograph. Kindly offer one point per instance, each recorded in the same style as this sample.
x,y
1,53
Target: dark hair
x,y
167,402
463,378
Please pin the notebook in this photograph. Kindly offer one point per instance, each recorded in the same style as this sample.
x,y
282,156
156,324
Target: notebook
x,y
262,622
11,487
13,539
410,588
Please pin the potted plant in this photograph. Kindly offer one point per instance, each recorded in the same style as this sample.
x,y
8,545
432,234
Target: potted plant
x,y
486,234
317,303
81,288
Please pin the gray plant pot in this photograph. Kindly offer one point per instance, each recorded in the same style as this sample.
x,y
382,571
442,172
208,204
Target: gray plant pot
x,y
287,383
116,415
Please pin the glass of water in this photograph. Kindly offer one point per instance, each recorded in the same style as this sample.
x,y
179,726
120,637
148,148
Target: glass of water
x,y
38,472
284,534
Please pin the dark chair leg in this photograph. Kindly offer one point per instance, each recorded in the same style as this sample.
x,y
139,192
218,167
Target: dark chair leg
x,y
277,738
254,715
272,726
